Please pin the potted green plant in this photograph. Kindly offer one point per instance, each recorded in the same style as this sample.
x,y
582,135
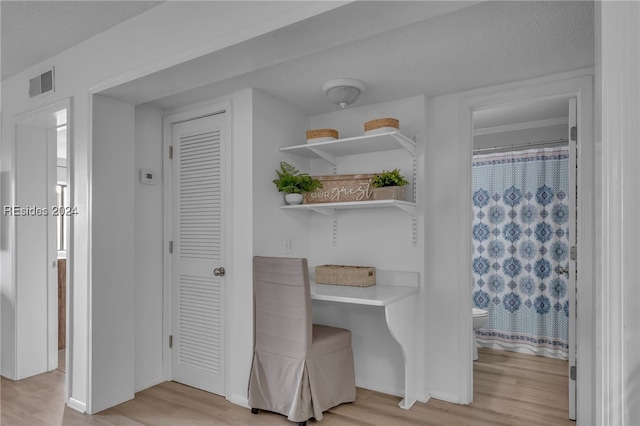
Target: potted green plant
x,y
293,183
389,185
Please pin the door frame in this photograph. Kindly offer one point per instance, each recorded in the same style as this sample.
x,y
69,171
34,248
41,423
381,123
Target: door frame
x,y
44,113
191,113
582,89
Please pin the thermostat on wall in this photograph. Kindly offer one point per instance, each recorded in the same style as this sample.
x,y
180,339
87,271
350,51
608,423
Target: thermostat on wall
x,y
147,177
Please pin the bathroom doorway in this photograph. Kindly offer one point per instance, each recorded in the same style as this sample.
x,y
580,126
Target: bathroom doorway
x,y
524,229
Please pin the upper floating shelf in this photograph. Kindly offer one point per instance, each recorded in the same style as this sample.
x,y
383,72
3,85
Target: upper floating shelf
x,y
331,150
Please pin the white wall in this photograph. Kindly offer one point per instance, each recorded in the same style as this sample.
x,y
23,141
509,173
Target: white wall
x,y
377,237
148,250
239,291
113,254
444,180
618,319
275,125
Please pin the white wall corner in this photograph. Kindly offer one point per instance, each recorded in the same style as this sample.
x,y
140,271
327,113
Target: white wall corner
x,y
149,383
617,396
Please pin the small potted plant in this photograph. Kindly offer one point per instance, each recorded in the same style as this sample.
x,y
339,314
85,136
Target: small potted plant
x,y
389,185
293,183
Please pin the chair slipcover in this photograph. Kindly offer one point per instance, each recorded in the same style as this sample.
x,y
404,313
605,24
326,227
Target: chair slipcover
x,y
299,369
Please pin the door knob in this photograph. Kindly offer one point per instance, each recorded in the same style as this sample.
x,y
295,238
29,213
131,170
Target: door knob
x,y
561,271
219,272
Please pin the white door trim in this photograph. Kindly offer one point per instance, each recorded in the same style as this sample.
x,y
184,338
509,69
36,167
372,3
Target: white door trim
x,y
24,119
582,88
167,182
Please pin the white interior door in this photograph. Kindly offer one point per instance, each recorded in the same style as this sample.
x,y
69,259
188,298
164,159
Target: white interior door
x,y
36,256
198,231
573,270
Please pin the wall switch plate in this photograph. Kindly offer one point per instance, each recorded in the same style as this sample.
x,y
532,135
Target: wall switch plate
x,y
287,244
148,177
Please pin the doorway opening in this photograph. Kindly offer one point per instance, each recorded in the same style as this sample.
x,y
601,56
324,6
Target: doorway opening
x,y
42,228
62,235
523,232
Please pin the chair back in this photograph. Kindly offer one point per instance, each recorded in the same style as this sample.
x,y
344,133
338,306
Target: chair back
x,y
282,306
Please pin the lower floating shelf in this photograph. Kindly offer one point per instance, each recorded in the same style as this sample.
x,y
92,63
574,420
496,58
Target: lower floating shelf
x,y
329,209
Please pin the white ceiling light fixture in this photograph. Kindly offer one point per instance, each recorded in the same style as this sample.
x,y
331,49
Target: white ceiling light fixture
x,y
343,91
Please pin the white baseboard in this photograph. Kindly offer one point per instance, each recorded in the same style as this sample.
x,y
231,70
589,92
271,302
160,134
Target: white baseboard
x,y
5,372
77,405
423,397
239,400
445,396
149,383
394,392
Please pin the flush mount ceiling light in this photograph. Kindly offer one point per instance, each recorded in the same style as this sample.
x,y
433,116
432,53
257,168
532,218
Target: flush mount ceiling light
x,y
343,91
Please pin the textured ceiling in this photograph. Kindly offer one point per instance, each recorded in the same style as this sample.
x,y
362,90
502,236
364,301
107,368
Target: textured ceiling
x,y
481,45
34,31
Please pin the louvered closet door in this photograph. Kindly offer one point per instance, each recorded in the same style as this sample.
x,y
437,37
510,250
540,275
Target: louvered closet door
x,y
198,225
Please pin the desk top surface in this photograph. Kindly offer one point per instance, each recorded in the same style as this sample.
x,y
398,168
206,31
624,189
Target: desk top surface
x,y
375,295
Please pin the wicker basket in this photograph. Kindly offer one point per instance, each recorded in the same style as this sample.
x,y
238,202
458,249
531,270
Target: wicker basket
x,y
354,276
322,134
381,123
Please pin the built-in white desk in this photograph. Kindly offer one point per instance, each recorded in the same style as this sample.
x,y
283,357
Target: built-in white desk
x,y
397,293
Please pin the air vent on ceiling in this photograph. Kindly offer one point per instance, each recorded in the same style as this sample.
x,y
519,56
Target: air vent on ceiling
x,y
42,83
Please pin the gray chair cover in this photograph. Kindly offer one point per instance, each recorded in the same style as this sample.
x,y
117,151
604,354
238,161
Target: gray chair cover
x,y
299,369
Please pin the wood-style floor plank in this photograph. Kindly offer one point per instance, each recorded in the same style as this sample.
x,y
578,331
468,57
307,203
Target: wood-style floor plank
x,y
510,389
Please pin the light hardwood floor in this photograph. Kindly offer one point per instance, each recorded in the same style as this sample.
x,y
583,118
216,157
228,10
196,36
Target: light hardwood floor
x,y
509,389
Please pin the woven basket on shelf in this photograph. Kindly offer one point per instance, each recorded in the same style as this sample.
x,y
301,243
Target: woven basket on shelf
x,y
381,122
354,276
322,133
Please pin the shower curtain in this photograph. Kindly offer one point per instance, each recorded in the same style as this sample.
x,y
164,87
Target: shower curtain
x,y
520,239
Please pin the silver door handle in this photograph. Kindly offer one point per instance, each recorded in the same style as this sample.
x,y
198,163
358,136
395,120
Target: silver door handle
x,y
560,270
219,272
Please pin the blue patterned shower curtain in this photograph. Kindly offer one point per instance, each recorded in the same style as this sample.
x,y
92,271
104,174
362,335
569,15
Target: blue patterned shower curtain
x,y
520,239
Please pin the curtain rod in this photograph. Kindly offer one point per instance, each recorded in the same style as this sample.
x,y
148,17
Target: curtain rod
x,y
522,145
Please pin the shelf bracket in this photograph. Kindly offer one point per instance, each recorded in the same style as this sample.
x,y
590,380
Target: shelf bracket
x,y
326,212
328,157
408,209
406,143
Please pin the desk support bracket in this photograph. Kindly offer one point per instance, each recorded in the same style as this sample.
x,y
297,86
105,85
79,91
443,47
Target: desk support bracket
x,y
400,317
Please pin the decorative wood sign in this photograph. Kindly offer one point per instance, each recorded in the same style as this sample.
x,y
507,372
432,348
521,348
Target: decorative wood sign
x,y
340,188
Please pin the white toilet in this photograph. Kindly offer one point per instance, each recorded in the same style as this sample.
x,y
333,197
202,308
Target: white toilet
x,y
480,318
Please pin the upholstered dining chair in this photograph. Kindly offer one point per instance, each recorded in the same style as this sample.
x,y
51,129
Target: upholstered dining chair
x,y
299,369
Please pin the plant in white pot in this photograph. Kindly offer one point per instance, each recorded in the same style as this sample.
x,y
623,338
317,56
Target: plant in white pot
x,y
389,185
293,183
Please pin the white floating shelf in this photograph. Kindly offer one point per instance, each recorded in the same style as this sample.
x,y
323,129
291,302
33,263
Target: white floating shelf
x,y
331,150
328,209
